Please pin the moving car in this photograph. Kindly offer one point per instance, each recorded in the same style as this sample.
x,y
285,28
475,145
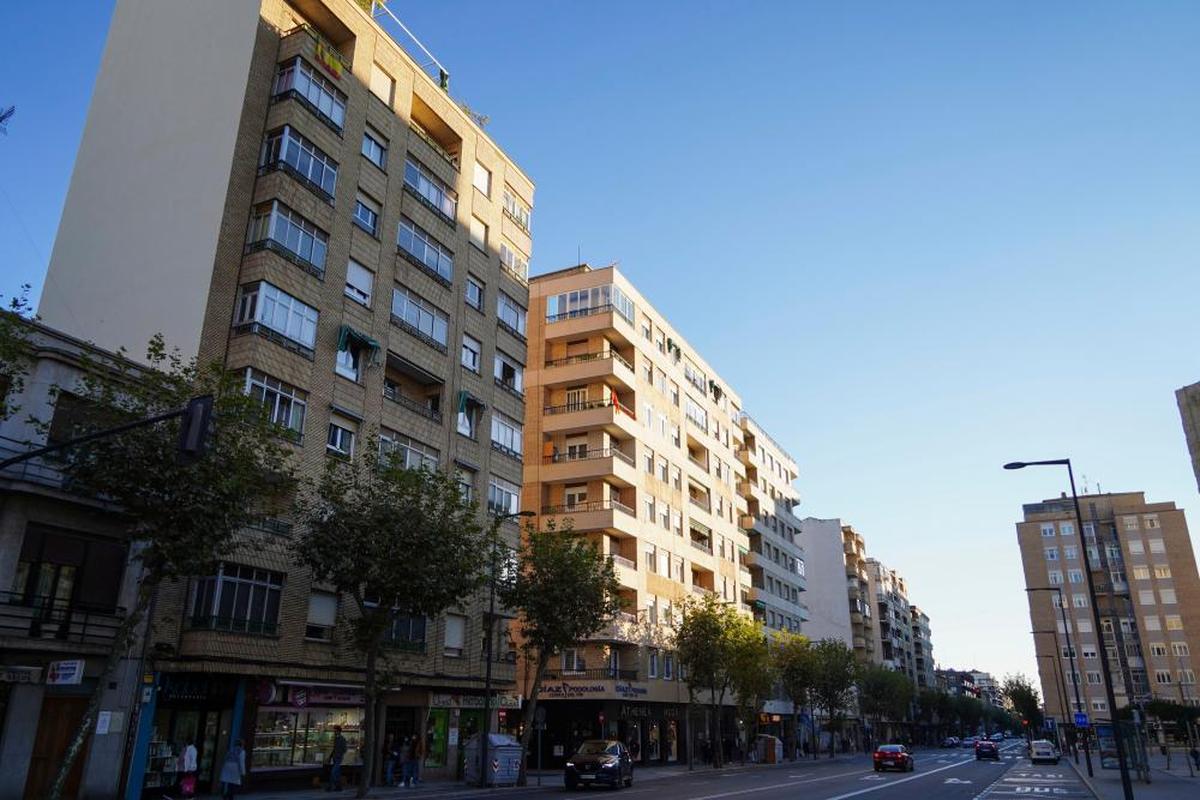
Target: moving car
x,y
604,761
893,756
970,741
997,737
950,741
985,748
1043,750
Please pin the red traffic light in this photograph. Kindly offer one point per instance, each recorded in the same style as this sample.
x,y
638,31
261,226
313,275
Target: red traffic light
x,y
1025,722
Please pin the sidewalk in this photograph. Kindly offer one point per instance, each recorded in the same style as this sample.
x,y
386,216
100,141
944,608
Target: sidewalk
x,y
552,780
1164,785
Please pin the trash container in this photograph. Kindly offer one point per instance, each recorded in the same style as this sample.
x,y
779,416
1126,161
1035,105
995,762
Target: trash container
x,y
504,760
769,749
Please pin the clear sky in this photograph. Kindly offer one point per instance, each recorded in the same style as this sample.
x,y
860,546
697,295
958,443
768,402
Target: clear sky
x,y
919,239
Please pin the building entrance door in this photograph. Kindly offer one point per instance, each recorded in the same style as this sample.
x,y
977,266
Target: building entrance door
x,y
56,728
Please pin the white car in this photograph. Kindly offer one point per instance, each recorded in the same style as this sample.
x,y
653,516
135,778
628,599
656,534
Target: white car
x,y
1043,750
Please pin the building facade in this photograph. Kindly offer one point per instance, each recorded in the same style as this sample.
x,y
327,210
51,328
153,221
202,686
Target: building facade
x,y
633,441
356,247
858,590
828,583
1188,400
1148,596
922,640
893,618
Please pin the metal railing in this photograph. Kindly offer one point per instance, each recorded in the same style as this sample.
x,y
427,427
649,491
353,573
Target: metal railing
x,y
206,622
700,590
698,503
434,145
588,405
44,617
628,563
36,470
592,505
424,409
704,546
600,674
582,312
584,358
589,455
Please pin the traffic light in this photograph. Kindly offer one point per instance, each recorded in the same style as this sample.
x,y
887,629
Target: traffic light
x,y
1025,723
195,427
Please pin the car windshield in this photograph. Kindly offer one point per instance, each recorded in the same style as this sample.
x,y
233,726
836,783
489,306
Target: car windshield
x,y
597,748
889,748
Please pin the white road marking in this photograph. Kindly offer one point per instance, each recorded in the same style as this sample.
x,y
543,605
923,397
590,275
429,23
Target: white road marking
x,y
775,786
890,784
955,780
873,778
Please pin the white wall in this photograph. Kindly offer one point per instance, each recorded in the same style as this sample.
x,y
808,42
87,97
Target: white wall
x,y
826,597
137,240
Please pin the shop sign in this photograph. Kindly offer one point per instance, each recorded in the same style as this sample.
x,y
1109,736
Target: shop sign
x,y
565,689
329,59
302,696
474,701
65,673
20,674
629,690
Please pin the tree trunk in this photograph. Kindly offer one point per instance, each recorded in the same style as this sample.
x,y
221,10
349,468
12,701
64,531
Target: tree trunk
x,y
368,734
527,719
812,731
121,641
718,743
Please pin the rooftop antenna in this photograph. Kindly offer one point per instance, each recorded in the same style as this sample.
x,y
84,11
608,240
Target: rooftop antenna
x,y
5,115
1085,483
379,9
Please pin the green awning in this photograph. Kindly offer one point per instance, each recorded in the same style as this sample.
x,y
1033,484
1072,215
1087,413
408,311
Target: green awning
x,y
348,336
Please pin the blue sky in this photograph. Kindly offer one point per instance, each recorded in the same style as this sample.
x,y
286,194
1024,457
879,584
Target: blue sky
x,y
919,239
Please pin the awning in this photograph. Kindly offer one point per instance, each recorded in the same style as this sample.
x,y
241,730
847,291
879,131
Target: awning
x,y
348,336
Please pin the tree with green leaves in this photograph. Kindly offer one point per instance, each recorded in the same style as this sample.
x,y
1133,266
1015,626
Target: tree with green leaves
x,y
969,712
753,673
398,542
833,689
705,642
795,664
1024,698
183,516
883,694
564,590
934,709
15,359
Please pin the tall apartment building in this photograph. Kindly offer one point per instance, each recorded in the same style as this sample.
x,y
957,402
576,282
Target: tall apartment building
x,y
828,583
636,440
1148,596
893,619
280,187
776,557
858,590
1188,399
989,689
923,663
960,683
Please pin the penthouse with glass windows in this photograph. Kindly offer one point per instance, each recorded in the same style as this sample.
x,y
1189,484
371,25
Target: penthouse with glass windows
x,y
282,187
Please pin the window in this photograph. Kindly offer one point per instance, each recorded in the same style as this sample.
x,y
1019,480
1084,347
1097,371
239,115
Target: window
x,y
1056,600
322,616
1056,577
1180,648
1162,571
509,374
516,209
419,316
502,496
573,660
482,179
382,85
1162,676
296,75
419,246
575,495
340,441
1174,622
1089,651
1158,649
506,434
286,147
406,633
1052,554
471,348
1131,523
1136,547
648,461
359,282
456,635
514,261
474,293
275,222
1075,575
1066,528
1070,552
1146,597
349,360
267,305
1099,705
366,214
510,313
1157,546
479,233
1152,623
1048,529
285,404
1187,677
408,453
469,412
426,186
653,663
668,666
1093,677
1141,573
238,598
582,302
466,483
1079,600
374,147
696,413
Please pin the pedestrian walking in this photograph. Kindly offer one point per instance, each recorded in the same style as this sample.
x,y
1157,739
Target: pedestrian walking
x,y
389,760
233,770
335,760
187,769
402,755
417,755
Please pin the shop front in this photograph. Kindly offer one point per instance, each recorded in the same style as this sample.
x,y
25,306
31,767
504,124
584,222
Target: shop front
x,y
455,718
294,726
187,708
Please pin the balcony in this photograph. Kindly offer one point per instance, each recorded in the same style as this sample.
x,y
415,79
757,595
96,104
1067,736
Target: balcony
x,y
572,467
611,516
599,674
43,622
584,368
746,521
700,503
616,419
39,471
625,569
412,387
700,591
579,323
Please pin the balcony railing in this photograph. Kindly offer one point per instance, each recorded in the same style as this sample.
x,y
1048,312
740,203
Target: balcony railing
x,y
424,409
206,622
589,455
570,408
701,591
582,312
584,358
424,136
592,505
44,617
700,503
699,462
601,674
628,563
405,645
36,470
703,546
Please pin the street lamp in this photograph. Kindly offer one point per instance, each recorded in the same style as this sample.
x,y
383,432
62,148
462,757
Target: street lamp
x,y
497,521
1126,783
1062,608
1062,687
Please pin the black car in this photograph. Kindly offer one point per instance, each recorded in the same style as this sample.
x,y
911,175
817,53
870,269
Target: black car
x,y
599,761
985,748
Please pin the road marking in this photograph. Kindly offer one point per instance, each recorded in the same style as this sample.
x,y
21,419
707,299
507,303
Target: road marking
x,y
774,786
955,780
872,778
890,784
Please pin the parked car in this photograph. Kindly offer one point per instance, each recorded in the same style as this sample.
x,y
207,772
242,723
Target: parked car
x,y
950,741
986,748
599,761
893,756
1043,750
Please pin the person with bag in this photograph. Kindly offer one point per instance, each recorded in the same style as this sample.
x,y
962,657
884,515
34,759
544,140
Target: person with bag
x,y
233,770
187,768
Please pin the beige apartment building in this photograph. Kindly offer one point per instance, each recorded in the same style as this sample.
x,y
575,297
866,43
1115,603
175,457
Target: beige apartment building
x,y
1188,400
858,590
893,619
633,440
281,187
1148,597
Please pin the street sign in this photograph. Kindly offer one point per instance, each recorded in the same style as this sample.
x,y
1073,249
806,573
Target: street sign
x,y
495,765
1081,719
1050,723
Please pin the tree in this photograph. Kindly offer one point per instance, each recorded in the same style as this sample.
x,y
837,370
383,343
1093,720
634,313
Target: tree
x,y
399,542
836,670
1024,699
564,590
795,664
883,694
934,708
968,711
705,642
182,516
753,671
14,351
